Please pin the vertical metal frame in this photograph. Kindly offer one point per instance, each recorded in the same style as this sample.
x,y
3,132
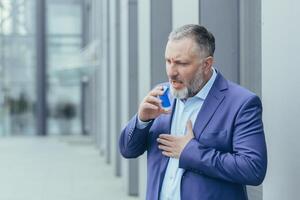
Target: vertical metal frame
x,y
133,82
41,58
108,135
118,167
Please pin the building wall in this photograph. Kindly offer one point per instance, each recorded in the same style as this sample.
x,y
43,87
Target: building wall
x,y
185,12
125,82
280,94
144,69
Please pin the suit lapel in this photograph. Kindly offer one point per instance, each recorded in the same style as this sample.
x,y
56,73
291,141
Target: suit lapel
x,y
168,121
210,105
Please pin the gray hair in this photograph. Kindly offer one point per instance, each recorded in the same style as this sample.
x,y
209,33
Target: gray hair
x,y
204,39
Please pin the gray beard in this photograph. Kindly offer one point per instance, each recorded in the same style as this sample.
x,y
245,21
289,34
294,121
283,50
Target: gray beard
x,y
180,94
194,87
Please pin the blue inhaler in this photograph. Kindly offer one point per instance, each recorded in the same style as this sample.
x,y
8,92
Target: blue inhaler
x,y
166,105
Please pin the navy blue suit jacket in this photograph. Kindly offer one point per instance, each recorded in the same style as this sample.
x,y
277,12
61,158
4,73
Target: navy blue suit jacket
x,y
227,153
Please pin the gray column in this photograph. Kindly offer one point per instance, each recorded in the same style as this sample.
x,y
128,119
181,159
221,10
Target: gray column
x,y
222,19
280,95
250,59
103,77
250,45
84,83
88,107
93,103
118,90
133,92
161,26
98,110
98,24
41,59
108,135
85,7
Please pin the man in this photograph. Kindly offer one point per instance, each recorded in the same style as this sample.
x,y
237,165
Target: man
x,y
211,144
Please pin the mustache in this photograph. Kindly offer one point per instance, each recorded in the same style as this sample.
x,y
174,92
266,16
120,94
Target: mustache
x,y
175,78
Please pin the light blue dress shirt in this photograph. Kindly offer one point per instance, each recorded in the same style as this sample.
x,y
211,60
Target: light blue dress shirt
x,y
183,112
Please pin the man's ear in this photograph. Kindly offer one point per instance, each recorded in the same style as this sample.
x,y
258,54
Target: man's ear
x,y
208,63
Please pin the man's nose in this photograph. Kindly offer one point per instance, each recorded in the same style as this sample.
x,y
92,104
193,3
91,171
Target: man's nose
x,y
172,70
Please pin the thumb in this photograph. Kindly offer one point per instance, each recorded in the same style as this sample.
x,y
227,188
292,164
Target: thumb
x,y
189,128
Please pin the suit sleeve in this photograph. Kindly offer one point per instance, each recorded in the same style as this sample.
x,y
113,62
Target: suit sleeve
x,y
133,141
246,164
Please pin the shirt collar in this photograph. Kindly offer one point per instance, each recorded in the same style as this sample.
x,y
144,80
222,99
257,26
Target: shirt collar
x,y
202,94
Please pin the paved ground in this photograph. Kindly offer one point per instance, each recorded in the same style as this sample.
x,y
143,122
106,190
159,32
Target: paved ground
x,y
55,168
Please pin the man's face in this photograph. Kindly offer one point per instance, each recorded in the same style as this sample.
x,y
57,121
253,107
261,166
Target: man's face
x,y
185,68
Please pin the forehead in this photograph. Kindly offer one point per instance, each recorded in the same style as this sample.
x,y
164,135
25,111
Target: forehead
x,y
182,49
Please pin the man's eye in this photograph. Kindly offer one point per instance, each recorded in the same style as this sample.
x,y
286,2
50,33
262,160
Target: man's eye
x,y
182,63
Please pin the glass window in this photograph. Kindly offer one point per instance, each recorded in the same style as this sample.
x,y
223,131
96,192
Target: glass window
x,y
64,40
17,67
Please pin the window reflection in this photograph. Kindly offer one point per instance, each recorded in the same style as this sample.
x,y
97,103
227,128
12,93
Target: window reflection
x,y
17,67
64,39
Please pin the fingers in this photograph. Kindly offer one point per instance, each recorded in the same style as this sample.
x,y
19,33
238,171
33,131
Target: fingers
x,y
166,137
152,96
157,91
153,100
170,145
151,106
165,148
164,142
163,111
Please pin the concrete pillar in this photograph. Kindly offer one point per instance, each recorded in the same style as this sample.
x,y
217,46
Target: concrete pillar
x,y
41,59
